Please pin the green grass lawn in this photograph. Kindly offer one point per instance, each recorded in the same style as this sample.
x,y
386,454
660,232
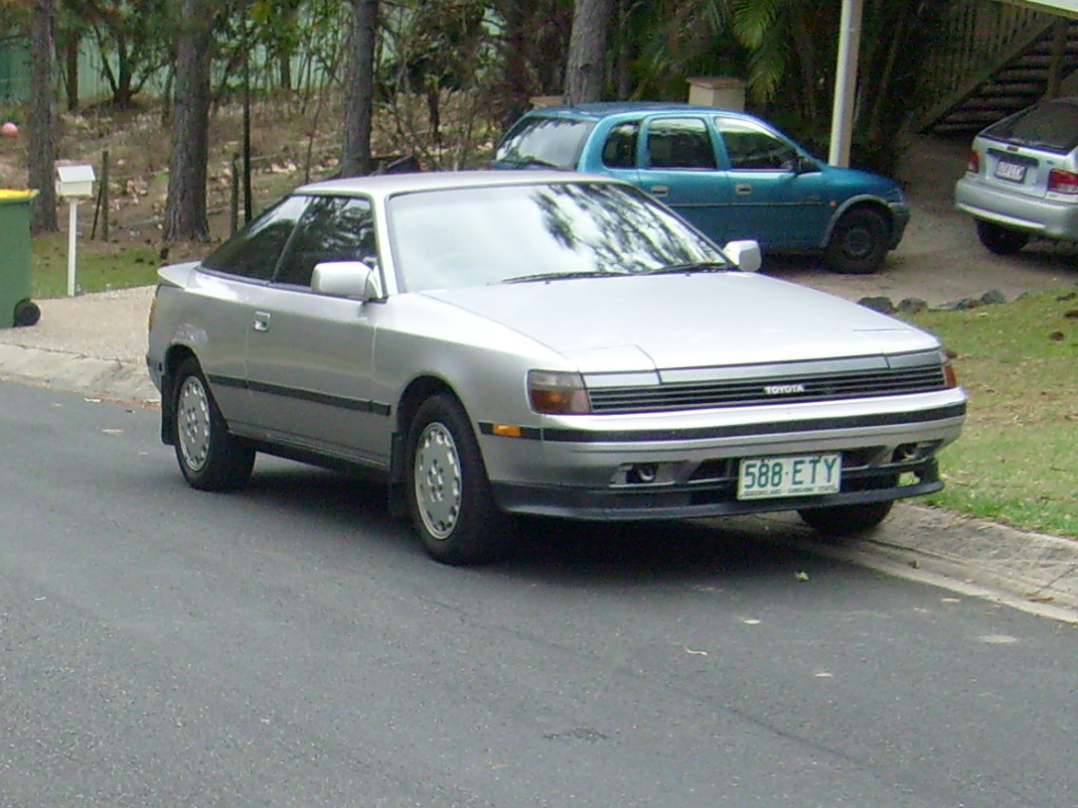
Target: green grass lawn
x,y
1017,461
99,267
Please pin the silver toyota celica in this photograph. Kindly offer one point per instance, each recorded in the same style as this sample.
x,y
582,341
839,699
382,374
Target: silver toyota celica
x,y
502,343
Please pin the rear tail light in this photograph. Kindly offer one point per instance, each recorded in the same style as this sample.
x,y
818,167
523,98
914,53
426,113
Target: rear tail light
x,y
1063,182
973,166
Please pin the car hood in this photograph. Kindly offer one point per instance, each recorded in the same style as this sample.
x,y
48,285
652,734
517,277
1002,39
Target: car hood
x,y
679,321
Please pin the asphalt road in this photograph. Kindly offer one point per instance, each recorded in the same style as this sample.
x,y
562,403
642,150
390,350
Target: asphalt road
x,y
290,645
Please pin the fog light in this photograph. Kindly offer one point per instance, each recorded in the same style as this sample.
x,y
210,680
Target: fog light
x,y
643,473
912,452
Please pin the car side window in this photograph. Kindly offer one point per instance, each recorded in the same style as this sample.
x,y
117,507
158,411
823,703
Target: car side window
x,y
333,228
619,150
750,147
679,143
255,250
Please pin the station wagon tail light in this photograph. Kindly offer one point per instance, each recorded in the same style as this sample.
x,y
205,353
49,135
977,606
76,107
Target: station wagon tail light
x,y
950,378
557,393
1063,182
973,166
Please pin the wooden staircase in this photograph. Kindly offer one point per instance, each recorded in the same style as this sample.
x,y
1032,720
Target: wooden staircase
x,y
995,59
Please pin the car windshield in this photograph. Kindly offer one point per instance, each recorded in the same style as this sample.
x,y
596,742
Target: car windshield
x,y
544,142
543,231
1052,125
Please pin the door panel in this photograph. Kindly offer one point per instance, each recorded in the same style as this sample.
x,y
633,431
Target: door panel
x,y
680,168
770,200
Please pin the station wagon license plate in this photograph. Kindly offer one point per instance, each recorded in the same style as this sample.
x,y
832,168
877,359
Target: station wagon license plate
x,y
1015,172
795,476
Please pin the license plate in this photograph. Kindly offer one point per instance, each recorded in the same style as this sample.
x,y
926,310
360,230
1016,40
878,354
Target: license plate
x,y
1015,172
804,475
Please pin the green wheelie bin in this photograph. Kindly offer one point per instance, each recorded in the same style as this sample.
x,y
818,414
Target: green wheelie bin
x,y
16,307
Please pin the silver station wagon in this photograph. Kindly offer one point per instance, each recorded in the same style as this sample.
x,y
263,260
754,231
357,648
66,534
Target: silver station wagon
x,y
1021,182
504,343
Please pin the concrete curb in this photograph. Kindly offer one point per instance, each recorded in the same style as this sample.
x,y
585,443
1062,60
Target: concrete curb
x,y
113,379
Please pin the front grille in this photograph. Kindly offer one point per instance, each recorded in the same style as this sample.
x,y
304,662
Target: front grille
x,y
793,389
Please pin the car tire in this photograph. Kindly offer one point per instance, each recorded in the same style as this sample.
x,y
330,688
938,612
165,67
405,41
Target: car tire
x,y
846,520
449,496
1001,240
27,313
858,243
210,458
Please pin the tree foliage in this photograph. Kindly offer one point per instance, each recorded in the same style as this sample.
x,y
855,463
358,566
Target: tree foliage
x,y
441,78
131,38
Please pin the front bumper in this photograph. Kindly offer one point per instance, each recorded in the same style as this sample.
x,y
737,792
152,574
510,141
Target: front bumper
x,y
710,500
694,472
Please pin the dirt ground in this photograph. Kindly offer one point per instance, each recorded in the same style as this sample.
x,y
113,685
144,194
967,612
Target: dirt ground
x,y
939,260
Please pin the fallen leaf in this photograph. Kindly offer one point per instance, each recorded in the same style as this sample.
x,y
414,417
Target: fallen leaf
x,y
801,576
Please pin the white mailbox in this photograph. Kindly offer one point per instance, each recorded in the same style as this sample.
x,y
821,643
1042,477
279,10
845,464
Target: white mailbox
x,y
75,181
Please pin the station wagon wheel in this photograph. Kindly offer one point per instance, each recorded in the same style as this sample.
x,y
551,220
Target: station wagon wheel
x,y
210,458
858,242
846,520
449,497
1000,240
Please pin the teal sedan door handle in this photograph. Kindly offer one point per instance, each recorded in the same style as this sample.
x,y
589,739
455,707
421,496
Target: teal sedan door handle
x,y
659,190
742,189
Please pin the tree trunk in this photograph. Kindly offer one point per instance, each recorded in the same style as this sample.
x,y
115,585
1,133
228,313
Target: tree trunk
x,y
185,207
359,89
71,68
42,119
584,71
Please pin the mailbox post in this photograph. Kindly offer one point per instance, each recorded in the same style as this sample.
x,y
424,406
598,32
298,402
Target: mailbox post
x,y
73,183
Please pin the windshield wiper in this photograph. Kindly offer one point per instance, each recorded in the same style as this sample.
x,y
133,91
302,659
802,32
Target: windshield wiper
x,y
520,161
561,276
694,266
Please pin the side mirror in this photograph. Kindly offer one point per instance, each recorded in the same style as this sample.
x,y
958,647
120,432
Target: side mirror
x,y
346,279
745,254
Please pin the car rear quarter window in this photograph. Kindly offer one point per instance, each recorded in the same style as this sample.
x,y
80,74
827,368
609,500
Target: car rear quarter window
x,y
255,250
333,228
550,142
1052,125
680,143
619,150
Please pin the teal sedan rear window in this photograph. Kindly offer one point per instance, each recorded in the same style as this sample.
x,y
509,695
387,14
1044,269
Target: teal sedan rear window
x,y
546,142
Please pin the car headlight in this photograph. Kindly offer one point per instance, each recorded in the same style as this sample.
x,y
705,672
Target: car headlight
x,y
555,393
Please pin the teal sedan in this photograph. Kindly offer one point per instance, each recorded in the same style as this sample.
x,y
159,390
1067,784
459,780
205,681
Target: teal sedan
x,y
732,175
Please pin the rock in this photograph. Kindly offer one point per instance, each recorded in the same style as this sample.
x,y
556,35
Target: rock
x,y
993,297
912,305
880,304
960,305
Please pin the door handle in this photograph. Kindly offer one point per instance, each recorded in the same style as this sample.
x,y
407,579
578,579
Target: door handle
x,y
262,321
742,189
659,190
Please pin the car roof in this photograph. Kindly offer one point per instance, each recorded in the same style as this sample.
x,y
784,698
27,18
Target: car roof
x,y
388,184
606,109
